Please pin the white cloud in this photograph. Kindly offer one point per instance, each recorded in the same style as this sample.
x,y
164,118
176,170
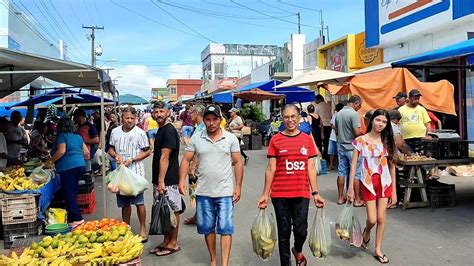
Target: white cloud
x,y
139,79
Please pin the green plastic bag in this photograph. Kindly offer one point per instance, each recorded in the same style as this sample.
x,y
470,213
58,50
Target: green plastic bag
x,y
264,234
320,235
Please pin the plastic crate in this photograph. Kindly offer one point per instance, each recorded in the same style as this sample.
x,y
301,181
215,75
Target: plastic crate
x,y
88,209
21,231
441,195
324,167
85,199
18,209
445,149
86,188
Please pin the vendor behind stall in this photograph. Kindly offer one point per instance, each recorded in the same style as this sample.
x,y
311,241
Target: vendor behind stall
x,y
68,156
16,138
38,146
415,120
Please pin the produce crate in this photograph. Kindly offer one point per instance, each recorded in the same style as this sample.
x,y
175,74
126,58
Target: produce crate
x,y
14,232
86,199
441,195
18,209
88,209
445,149
86,188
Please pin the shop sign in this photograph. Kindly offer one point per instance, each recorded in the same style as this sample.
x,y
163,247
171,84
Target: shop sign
x,y
387,21
278,65
336,57
366,57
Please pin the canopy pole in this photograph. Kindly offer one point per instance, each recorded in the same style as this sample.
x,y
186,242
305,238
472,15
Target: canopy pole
x,y
64,101
102,140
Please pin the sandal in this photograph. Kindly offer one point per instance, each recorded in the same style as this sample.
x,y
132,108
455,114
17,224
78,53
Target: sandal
x,y
365,244
301,261
156,249
382,259
190,221
170,251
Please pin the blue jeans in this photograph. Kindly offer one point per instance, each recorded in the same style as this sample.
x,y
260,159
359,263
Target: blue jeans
x,y
214,215
125,201
187,131
69,189
345,160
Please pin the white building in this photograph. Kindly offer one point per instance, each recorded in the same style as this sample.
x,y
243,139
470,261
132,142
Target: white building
x,y
221,61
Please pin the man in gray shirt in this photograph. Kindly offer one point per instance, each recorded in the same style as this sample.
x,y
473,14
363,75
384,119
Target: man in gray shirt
x,y
216,193
347,129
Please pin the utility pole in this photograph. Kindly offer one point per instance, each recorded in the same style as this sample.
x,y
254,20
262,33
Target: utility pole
x,y
93,28
321,24
299,22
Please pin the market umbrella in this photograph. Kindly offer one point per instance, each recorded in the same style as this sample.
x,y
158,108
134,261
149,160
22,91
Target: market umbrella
x,y
257,94
316,76
131,99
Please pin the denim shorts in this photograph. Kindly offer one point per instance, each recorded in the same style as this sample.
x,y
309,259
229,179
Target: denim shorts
x,y
125,201
187,131
214,215
152,133
332,147
345,160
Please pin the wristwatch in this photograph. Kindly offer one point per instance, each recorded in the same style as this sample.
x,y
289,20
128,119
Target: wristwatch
x,y
314,193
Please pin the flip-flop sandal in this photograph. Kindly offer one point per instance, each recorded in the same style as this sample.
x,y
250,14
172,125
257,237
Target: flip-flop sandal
x,y
382,259
156,249
299,262
144,239
358,206
171,251
365,244
341,203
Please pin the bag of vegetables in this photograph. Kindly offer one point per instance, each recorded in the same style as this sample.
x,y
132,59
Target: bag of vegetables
x,y
264,236
345,224
320,235
126,182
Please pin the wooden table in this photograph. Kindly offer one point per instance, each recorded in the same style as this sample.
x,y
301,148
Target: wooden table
x,y
415,179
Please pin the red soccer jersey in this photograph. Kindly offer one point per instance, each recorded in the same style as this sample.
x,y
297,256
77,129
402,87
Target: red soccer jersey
x,y
291,179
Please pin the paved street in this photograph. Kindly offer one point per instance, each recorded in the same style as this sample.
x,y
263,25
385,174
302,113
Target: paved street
x,y
413,237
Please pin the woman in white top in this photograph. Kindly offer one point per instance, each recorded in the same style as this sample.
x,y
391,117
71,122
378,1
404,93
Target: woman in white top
x,y
235,125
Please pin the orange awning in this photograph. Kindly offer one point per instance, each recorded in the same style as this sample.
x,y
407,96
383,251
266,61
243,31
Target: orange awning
x,y
378,88
254,95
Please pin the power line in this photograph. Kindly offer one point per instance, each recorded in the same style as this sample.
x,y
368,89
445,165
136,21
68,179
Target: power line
x,y
303,7
272,6
154,21
74,13
270,16
181,22
88,12
32,17
231,6
222,17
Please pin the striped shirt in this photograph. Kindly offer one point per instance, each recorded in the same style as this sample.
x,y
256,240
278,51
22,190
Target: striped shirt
x,y
291,179
129,144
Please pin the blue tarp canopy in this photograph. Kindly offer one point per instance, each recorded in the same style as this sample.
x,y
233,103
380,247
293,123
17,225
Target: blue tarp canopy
x,y
131,99
4,110
56,97
459,49
292,94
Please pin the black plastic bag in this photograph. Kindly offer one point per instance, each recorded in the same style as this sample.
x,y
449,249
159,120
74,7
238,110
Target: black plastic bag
x,y
160,216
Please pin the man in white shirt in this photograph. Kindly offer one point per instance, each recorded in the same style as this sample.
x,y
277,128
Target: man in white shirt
x,y
129,146
323,109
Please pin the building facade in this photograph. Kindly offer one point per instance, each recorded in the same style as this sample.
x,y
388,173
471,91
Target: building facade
x,y
433,39
181,89
221,61
159,94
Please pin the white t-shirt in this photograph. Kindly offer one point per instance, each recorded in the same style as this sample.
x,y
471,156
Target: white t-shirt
x,y
323,109
333,136
129,144
3,149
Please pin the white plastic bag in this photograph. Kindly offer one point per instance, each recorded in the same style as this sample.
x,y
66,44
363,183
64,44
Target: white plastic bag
x,y
40,175
320,235
264,234
128,182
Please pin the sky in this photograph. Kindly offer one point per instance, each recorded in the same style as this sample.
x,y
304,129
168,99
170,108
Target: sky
x,y
147,42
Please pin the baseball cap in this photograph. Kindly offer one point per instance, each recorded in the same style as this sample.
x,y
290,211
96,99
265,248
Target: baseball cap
x,y
212,109
235,110
414,92
400,94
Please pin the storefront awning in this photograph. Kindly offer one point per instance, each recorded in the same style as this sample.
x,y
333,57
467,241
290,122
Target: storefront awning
x,y
292,94
456,50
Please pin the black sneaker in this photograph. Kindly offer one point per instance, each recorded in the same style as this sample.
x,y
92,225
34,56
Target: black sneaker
x,y
246,160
